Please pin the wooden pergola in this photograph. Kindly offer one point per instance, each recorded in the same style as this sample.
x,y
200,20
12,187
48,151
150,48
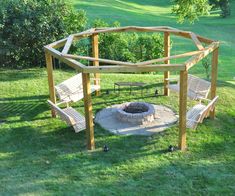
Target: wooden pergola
x,y
204,47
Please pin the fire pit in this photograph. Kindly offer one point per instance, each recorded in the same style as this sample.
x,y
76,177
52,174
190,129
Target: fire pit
x,y
136,113
136,118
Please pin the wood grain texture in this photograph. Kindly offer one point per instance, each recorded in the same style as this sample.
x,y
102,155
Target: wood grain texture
x,y
183,109
214,75
167,48
88,111
123,69
95,53
68,44
196,41
51,84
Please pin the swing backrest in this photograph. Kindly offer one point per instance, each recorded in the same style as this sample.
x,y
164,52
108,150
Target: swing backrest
x,y
69,86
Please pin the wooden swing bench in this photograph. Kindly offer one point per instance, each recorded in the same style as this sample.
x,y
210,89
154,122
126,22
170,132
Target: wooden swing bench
x,y
197,88
71,90
200,111
70,116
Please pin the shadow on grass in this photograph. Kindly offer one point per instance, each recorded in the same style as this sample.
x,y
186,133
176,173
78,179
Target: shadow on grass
x,y
27,107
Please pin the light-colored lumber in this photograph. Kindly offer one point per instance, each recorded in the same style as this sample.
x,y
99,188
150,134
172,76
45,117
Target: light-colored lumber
x,y
196,41
196,58
51,84
166,59
70,62
71,90
98,59
88,111
197,88
57,44
141,64
182,109
137,29
198,112
68,44
214,73
187,35
95,53
70,116
167,48
124,69
83,34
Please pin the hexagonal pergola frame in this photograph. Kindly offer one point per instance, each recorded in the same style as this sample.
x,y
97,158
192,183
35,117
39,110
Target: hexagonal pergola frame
x,y
146,66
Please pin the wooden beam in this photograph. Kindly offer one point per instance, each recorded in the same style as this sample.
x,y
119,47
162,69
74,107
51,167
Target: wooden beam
x,y
196,58
70,62
196,41
95,54
88,111
68,44
123,69
51,84
182,109
137,29
187,34
141,64
214,73
167,61
57,44
98,59
84,34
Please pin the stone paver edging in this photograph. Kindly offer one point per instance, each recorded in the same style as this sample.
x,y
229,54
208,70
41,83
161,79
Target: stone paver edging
x,y
107,118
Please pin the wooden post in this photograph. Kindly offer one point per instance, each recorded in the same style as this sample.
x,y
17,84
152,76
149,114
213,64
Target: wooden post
x,y
95,53
182,109
166,54
88,111
214,70
51,84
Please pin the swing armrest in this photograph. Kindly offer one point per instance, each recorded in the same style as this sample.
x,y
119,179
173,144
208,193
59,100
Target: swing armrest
x,y
95,79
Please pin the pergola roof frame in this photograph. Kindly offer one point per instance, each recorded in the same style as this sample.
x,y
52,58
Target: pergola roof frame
x,y
113,66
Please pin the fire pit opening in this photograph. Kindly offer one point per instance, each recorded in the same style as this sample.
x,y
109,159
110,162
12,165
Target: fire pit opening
x,y
136,113
136,108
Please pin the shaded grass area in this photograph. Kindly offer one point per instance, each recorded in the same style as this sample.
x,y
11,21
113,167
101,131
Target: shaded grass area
x,y
158,13
40,155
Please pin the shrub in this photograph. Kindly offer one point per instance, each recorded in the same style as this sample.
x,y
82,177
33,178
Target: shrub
x,y
27,25
130,47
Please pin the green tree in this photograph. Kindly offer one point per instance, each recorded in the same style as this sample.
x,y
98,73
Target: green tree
x,y
190,9
27,25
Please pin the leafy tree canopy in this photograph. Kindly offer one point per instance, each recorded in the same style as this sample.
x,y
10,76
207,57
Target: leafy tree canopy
x,y
191,9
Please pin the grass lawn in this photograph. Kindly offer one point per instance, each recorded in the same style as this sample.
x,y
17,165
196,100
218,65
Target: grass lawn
x,y
42,156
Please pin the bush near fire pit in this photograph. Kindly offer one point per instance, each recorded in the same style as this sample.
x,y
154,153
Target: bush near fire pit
x,y
131,47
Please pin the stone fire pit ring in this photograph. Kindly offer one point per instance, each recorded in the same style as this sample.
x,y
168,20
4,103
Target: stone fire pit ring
x,y
136,113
